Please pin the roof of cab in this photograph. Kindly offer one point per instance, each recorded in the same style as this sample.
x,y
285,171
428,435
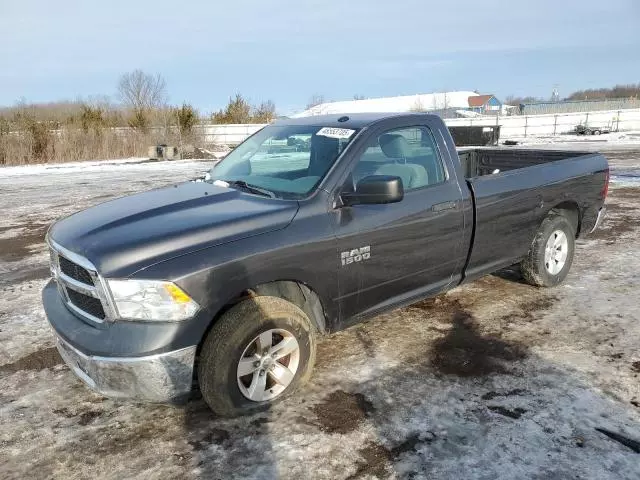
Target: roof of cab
x,y
355,120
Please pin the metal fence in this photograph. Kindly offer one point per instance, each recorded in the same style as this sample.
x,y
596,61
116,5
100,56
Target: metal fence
x,y
510,126
555,124
230,134
576,106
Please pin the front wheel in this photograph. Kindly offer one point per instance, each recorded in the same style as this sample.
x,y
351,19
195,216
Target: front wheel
x,y
551,254
258,352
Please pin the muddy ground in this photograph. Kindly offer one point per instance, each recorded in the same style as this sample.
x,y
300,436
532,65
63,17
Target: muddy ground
x,y
495,379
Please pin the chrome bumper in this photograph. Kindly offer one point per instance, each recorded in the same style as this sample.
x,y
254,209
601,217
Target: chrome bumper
x,y
601,214
156,378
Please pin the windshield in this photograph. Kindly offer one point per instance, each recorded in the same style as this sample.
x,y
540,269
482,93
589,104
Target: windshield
x,y
285,161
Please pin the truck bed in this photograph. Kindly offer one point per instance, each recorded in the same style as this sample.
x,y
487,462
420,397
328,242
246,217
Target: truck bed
x,y
484,161
510,205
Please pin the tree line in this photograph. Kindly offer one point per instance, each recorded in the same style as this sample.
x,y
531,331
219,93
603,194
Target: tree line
x,y
618,91
86,128
141,103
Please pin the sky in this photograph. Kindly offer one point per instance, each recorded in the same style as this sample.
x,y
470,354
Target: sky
x,y
286,50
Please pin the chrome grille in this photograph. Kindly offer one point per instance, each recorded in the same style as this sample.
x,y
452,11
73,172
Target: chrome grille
x,y
92,306
75,271
80,285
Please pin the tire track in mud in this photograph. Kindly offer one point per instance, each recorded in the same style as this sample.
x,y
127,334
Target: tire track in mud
x,y
18,247
466,352
39,360
462,347
620,219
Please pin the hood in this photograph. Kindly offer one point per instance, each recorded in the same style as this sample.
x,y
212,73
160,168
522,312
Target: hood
x,y
122,236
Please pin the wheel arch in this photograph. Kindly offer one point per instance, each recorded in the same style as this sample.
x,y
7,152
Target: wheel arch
x,y
298,293
571,210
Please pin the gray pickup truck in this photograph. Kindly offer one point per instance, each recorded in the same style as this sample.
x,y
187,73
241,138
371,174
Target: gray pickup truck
x,y
309,226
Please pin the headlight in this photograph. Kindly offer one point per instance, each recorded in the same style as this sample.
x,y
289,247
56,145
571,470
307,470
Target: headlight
x,y
151,300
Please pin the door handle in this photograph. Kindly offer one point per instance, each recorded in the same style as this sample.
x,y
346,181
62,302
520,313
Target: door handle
x,y
439,207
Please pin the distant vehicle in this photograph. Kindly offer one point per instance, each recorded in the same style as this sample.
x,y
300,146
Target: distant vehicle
x,y
586,130
228,282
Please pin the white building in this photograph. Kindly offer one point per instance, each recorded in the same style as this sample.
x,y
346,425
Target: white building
x,y
406,103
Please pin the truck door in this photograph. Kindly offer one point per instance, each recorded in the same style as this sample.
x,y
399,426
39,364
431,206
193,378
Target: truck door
x,y
395,253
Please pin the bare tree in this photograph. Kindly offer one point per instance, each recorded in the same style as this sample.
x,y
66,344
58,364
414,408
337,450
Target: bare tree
x,y
513,100
315,99
142,91
619,91
417,106
144,94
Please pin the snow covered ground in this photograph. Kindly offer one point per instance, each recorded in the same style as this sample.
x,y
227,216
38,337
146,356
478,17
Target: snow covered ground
x,y
620,149
629,139
404,103
495,379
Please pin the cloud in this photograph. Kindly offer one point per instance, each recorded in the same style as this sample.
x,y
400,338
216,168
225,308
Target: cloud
x,y
402,68
72,46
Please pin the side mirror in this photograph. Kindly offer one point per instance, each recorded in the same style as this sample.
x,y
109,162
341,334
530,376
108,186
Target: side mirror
x,y
375,189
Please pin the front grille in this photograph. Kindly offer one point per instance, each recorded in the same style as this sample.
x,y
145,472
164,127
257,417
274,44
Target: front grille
x,y
91,305
80,285
74,271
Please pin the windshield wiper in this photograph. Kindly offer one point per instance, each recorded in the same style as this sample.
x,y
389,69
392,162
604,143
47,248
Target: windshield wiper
x,y
250,188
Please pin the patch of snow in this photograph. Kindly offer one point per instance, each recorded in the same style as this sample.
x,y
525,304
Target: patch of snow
x,y
626,180
88,166
404,103
614,138
468,113
63,167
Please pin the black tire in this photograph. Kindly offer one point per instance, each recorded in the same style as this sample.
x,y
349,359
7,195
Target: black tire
x,y
534,268
227,340
597,132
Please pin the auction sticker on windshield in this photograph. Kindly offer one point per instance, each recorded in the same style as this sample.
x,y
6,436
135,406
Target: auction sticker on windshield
x,y
332,132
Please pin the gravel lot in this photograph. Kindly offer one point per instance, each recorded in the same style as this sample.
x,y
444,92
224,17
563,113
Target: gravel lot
x,y
495,379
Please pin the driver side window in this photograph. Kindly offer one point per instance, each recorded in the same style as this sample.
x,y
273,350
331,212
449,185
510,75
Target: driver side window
x,y
409,153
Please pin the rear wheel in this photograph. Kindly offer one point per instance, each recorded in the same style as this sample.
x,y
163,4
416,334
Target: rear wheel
x,y
257,353
597,132
551,254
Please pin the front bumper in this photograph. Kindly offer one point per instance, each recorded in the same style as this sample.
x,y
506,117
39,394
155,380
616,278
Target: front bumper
x,y
163,377
140,360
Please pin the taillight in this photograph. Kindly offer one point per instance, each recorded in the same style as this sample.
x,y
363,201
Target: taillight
x,y
605,189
